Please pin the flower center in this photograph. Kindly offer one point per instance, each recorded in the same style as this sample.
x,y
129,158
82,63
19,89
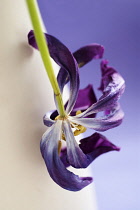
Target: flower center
x,y
77,129
61,118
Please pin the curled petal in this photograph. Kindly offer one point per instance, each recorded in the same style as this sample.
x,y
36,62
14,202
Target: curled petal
x,y
63,157
75,156
89,98
86,97
95,145
56,169
47,119
54,114
107,72
113,86
82,56
64,58
92,146
112,120
87,53
62,78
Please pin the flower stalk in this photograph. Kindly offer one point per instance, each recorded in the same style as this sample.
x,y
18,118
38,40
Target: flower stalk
x,y
42,45
77,155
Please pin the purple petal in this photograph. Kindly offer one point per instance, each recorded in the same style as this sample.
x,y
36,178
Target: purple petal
x,y
64,58
89,98
112,120
54,114
56,169
87,53
113,86
86,97
47,119
62,78
107,73
82,56
63,157
75,156
95,145
92,146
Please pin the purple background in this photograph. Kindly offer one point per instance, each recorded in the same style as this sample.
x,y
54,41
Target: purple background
x,y
116,25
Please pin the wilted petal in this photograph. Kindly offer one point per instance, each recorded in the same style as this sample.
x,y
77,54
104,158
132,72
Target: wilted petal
x,y
64,58
63,157
87,53
56,169
92,146
83,56
54,114
112,120
113,86
62,78
107,72
86,97
95,145
47,119
75,156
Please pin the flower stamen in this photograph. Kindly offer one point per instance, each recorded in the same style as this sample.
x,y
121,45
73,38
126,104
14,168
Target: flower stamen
x,y
79,129
63,137
59,146
78,112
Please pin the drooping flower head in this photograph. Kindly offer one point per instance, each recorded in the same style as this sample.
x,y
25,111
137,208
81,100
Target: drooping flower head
x,y
81,110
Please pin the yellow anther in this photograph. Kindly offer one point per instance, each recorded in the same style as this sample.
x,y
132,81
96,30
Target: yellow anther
x,y
59,146
79,129
83,129
81,64
77,132
72,126
78,112
63,137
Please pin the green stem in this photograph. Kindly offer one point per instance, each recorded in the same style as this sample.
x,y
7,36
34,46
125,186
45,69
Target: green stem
x,y
41,43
